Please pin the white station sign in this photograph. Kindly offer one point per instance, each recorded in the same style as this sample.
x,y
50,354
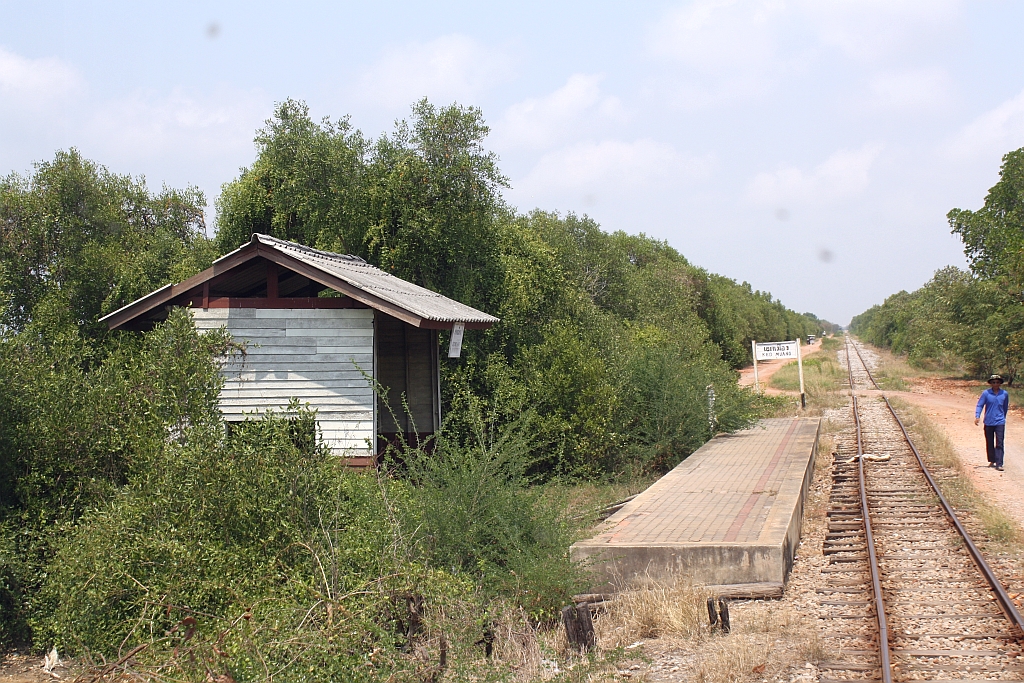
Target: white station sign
x,y
455,343
776,350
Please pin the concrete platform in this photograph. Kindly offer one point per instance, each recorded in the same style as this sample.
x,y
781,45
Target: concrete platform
x,y
728,514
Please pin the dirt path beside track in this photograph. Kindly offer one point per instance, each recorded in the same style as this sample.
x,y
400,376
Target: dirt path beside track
x,y
950,404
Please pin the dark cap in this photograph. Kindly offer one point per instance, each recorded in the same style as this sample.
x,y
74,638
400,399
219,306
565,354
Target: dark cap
x,y
995,378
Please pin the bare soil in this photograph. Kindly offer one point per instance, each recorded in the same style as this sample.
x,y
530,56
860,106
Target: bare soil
x,y
950,404
19,667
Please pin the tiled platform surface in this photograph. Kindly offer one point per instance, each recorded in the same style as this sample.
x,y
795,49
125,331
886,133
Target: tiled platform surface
x,y
728,514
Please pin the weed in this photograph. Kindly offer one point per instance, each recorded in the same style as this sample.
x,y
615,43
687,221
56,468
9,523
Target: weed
x,y
729,659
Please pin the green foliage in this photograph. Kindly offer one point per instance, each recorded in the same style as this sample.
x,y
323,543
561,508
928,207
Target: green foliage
x,y
591,321
257,524
993,236
421,203
82,242
256,551
975,319
473,510
71,437
128,514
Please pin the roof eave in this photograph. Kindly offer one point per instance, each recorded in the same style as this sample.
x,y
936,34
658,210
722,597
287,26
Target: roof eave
x,y
270,251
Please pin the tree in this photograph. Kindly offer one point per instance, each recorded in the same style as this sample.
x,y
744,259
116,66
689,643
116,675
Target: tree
x,y
993,236
436,204
422,203
80,242
308,185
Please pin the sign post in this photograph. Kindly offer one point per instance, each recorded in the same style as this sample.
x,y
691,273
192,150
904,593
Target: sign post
x,y
757,385
777,351
800,367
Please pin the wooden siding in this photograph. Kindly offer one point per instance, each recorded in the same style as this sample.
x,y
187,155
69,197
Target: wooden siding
x,y
407,366
315,355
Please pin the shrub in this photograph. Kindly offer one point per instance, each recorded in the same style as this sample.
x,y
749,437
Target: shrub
x,y
472,510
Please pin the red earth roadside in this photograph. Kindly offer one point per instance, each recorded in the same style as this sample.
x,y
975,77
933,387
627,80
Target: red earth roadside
x,y
949,404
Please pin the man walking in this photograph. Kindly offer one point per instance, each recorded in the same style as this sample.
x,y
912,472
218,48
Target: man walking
x,y
996,402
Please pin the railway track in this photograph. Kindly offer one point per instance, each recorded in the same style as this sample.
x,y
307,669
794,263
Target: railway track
x,y
908,595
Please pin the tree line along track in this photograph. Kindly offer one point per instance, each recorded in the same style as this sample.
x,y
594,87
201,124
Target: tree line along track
x,y
907,593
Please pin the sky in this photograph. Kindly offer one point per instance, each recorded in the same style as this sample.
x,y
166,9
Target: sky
x,y
809,148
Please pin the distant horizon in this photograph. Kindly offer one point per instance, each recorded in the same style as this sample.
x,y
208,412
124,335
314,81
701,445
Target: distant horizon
x,y
809,149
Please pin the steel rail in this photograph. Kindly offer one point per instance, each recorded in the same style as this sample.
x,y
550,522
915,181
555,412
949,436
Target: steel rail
x,y
884,654
1005,603
866,369
1002,597
849,366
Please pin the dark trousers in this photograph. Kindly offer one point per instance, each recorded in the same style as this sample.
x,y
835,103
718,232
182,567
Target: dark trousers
x,y
994,443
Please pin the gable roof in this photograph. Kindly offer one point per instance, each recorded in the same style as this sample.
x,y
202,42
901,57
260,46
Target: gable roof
x,y
349,275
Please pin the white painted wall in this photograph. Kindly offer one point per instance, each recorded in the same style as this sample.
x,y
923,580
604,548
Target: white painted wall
x,y
314,355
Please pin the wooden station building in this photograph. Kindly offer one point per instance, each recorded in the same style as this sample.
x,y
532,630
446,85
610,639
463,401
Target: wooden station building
x,y
319,349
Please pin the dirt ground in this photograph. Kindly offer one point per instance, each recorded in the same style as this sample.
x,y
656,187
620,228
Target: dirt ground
x,y
950,405
21,668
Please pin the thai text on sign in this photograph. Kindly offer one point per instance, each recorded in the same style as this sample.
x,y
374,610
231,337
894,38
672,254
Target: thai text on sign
x,y
774,350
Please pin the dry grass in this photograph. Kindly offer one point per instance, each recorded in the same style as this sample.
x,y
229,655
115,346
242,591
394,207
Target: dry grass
x,y
654,610
517,645
951,475
733,659
767,638
891,372
897,368
823,376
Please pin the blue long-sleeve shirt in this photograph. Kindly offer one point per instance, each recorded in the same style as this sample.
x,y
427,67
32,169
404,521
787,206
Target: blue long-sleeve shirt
x,y
995,406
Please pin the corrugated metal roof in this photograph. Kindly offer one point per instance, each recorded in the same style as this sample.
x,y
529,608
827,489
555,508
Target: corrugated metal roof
x,y
350,274
358,273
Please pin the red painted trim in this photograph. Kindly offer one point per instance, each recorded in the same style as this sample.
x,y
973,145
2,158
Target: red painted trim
x,y
282,259
163,295
336,283
271,280
281,302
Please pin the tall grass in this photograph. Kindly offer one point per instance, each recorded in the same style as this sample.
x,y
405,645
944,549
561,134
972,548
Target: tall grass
x,y
823,376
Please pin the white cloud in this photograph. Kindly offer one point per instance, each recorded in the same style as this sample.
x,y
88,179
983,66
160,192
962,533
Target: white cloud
x,y
718,36
30,83
710,52
539,122
844,174
908,89
150,124
453,67
869,30
589,170
727,49
998,130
